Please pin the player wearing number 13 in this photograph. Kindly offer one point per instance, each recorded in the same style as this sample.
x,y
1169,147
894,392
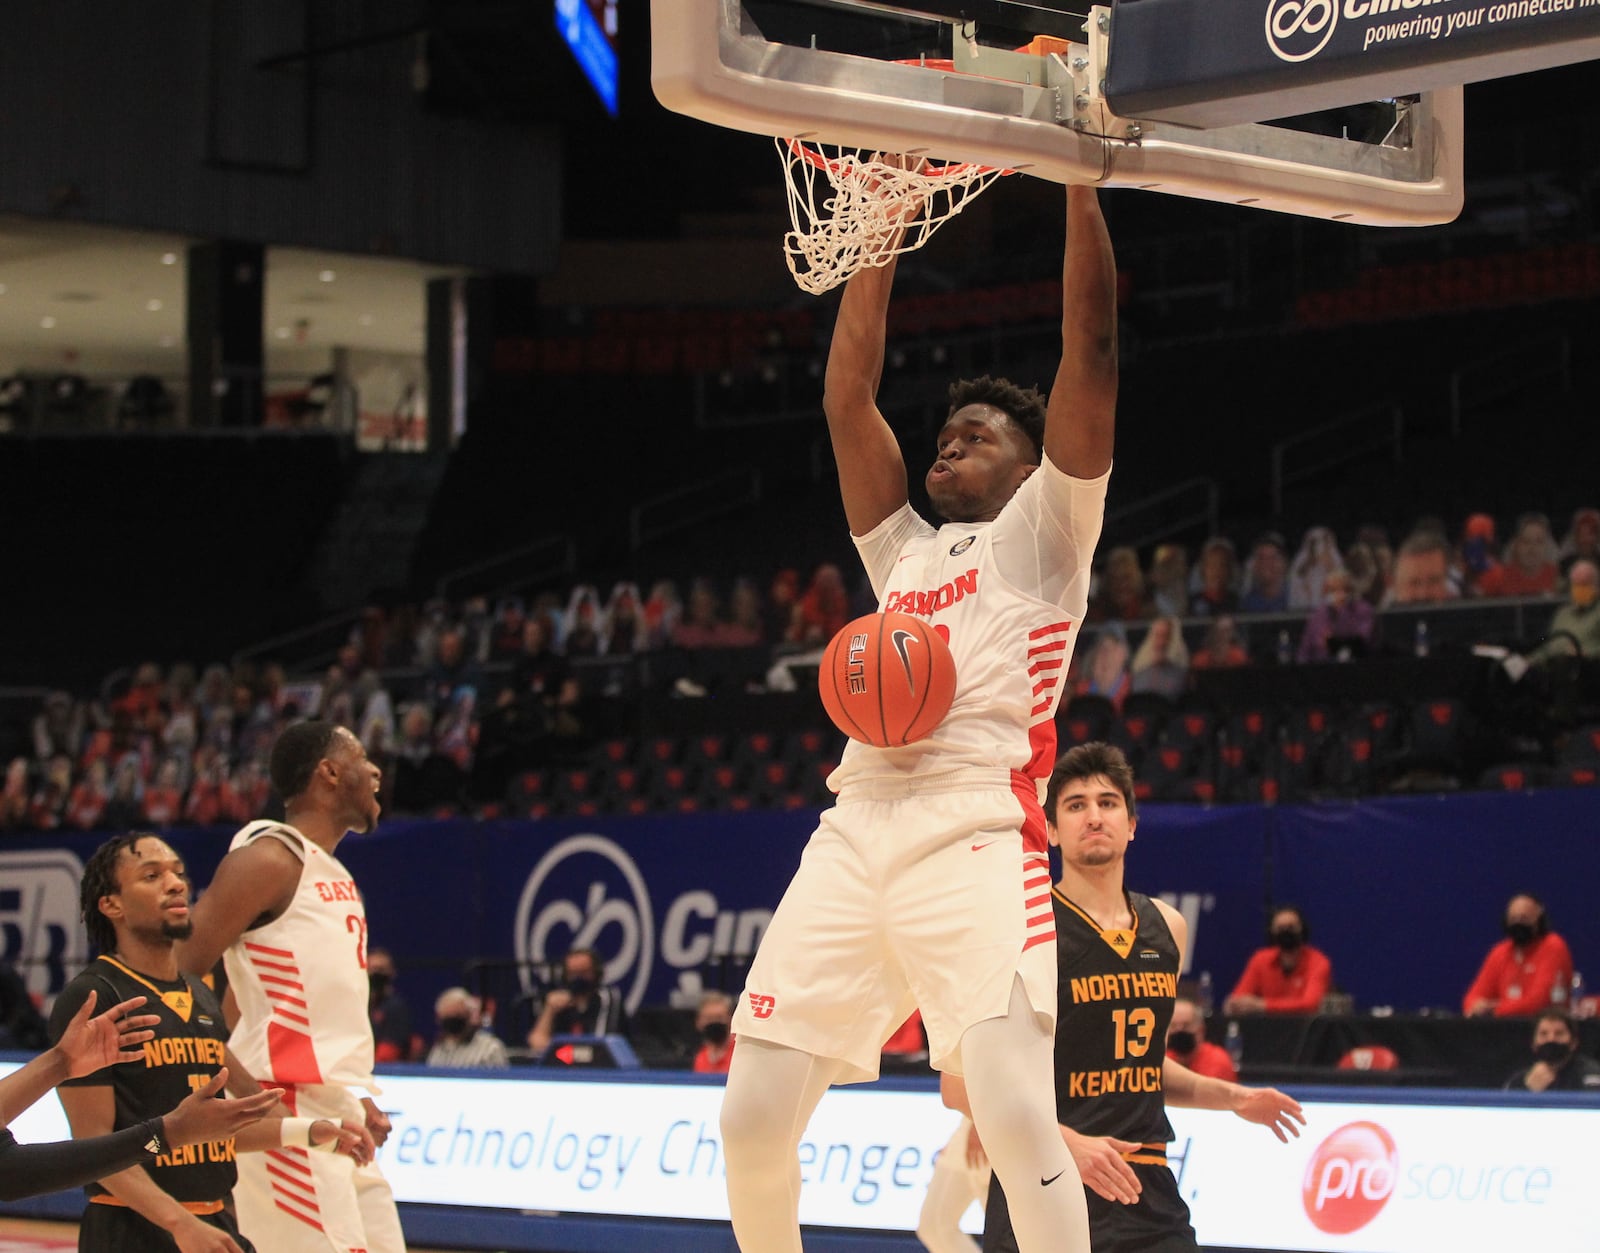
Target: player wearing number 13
x,y
289,920
1119,954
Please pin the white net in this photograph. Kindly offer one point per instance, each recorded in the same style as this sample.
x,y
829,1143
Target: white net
x,y
852,209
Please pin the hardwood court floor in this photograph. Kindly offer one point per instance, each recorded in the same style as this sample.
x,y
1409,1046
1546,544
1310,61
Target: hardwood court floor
x,y
25,1235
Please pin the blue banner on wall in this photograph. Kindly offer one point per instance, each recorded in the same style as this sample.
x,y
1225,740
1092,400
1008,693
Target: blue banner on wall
x,y
1404,895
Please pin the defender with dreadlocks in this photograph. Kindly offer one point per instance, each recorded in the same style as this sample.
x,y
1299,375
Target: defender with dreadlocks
x,y
135,902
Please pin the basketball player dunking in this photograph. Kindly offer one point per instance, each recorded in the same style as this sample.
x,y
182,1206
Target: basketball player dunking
x,y
1119,958
928,883
290,921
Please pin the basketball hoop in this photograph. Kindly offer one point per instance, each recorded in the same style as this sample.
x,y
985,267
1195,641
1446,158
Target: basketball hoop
x,y
851,209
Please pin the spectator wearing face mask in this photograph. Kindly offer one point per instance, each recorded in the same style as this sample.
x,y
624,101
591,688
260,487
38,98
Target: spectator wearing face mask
x,y
389,1014
1526,971
1187,1044
582,1005
1557,1064
712,1021
1286,977
461,1043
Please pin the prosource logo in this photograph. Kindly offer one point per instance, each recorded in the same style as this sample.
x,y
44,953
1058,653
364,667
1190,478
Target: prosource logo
x,y
1299,29
1350,1178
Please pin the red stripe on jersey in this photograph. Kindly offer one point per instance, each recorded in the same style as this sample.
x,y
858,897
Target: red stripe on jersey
x,y
285,998
1027,794
297,1018
291,1055
1046,683
1044,937
290,1185
294,1213
1038,882
1045,663
270,952
288,968
1051,629
1033,902
283,1159
1040,919
284,983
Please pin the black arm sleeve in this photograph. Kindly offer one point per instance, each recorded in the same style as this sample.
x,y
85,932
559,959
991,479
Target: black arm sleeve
x,y
33,1169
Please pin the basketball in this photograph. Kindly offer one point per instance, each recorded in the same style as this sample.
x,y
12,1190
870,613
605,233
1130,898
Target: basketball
x,y
887,679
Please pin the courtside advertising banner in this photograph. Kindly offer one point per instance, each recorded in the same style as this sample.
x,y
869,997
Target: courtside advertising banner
x,y
1401,1177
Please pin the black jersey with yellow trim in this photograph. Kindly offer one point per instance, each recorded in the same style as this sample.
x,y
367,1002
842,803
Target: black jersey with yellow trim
x,y
188,1050
1113,1003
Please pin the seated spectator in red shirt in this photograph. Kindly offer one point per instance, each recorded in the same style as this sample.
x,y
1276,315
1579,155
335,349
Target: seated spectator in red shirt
x,y
1529,568
662,610
1222,648
1121,596
88,801
1289,977
1477,553
142,700
245,794
823,610
48,805
204,805
1529,970
702,620
1582,540
744,627
1217,591
1187,1044
1342,626
712,1022
163,799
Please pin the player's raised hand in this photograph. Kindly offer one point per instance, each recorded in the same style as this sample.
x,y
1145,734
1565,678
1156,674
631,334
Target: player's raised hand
x,y
90,1044
204,1116
1277,1111
1100,1162
378,1124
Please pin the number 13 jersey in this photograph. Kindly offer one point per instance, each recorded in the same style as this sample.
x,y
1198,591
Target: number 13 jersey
x,y
301,979
1113,1004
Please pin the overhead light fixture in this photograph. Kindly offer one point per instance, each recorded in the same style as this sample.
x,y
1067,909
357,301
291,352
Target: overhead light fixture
x,y
47,322
169,258
153,305
366,319
282,332
168,341
327,276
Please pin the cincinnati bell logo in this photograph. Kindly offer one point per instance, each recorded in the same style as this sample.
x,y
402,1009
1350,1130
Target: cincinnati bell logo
x,y
1350,1178
1299,29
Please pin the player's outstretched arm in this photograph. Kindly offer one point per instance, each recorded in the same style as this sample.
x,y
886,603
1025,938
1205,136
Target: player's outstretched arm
x,y
254,884
872,473
1277,1111
86,1045
1080,423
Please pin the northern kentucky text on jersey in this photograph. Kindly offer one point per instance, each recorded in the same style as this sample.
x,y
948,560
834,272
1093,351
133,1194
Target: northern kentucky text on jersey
x,y
187,1050
925,603
1138,984
1085,1083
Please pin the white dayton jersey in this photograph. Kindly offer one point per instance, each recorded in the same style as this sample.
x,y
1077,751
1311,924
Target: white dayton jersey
x,y
1007,596
301,980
